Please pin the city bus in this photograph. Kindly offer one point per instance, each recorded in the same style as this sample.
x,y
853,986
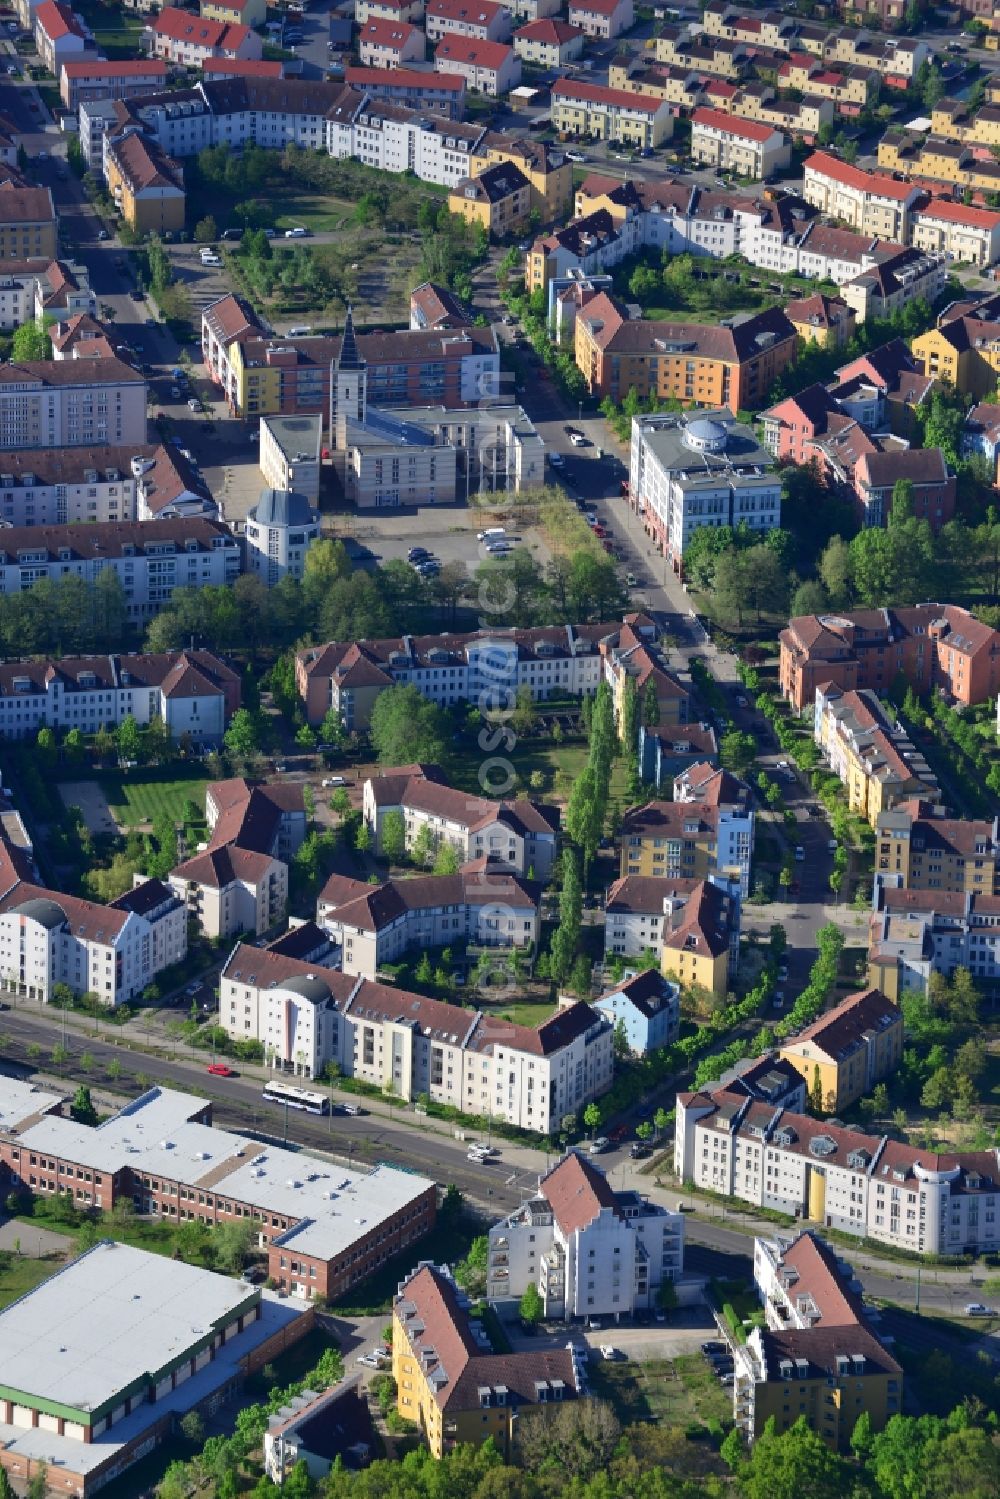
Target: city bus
x,y
296,1098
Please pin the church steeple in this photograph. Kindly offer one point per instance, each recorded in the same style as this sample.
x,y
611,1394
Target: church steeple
x,y
349,359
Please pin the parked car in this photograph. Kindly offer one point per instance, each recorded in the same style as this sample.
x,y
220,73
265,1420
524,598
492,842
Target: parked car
x,y
976,1309
219,1069
333,781
800,854
417,554
297,233
601,1143
193,403
578,440
610,1353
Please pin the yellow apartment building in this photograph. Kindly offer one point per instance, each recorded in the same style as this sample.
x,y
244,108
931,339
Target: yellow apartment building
x,y
146,184
877,766
252,13
548,172
499,200
844,1053
453,1389
930,852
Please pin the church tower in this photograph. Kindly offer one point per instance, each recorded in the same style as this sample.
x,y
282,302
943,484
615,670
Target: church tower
x,y
348,387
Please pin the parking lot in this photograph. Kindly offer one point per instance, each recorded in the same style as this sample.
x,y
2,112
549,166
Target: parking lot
x,y
449,533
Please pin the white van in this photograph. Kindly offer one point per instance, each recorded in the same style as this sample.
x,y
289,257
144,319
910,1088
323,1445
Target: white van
x,y
493,533
300,330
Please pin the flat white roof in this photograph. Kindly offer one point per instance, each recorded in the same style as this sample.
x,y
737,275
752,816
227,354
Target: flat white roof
x,y
340,1206
154,1137
109,1318
20,1100
74,1456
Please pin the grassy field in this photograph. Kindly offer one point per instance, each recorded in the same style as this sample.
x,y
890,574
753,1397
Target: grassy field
x,y
526,1012
117,32
321,215
560,766
674,1392
136,801
23,1275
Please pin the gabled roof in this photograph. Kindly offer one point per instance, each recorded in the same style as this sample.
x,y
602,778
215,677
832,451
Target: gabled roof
x,y
577,1192
843,1029
716,119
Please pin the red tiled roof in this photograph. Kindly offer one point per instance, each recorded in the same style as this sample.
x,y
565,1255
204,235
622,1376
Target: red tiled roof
x,y
179,26
132,67
406,78
750,130
595,93
57,20
472,51
548,29
577,1192
874,183
960,213
241,67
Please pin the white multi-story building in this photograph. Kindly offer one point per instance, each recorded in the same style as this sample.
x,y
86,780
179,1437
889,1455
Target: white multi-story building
x,y
40,288
589,1251
749,147
869,1186
238,882
522,835
289,453
279,531
481,667
95,118
113,951
958,231
73,486
870,202
191,692
914,933
378,924
393,1039
151,558
641,911
68,403
706,470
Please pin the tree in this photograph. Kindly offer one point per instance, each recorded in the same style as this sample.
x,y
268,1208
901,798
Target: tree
x,y
6,1492
393,836
241,738
629,726
660,1121
650,702
31,341
861,1437
406,727
644,1131
737,751
82,1108
836,572
205,229
816,1092
127,740
791,1464
592,1117
193,1428
446,859
38,1486
532,1307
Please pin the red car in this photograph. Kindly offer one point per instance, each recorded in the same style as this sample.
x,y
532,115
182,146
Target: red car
x,y
219,1069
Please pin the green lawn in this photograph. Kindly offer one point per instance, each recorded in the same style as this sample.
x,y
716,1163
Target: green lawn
x,y
320,214
134,801
526,1012
23,1274
117,32
560,766
674,1392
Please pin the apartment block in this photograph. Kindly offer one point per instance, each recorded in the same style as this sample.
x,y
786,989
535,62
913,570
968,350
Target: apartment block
x,y
190,40
67,486
521,835
492,68
692,925
934,488
929,851
441,93
958,231
193,693
97,78
849,1049
498,200
61,35
916,933
667,749
550,43
647,1008
908,275
875,761
688,471
748,147
593,111
307,1014
547,168
818,1353
239,881
934,646
390,44
375,925
601,18
869,202
480,667
484,21
964,346
692,839
27,222
588,1250
151,558
50,403
731,363
829,1176
146,184
451,1384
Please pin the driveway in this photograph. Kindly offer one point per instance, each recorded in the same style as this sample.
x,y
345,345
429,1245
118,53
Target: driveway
x,y
34,1243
